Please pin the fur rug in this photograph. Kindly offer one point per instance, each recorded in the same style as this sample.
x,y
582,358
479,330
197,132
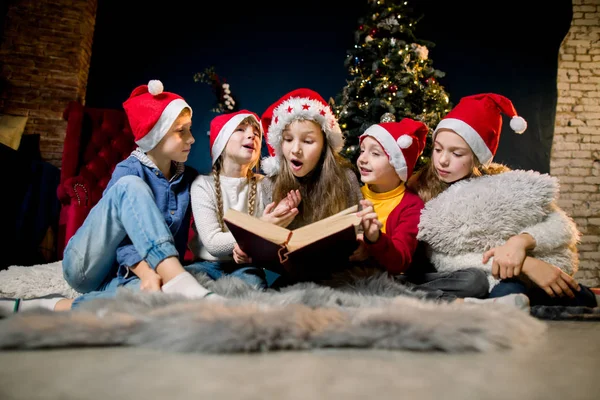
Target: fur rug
x,y
370,312
35,281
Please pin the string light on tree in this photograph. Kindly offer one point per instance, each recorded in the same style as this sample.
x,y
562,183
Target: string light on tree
x,y
391,74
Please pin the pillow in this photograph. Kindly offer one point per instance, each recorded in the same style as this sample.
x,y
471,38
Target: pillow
x,y
11,129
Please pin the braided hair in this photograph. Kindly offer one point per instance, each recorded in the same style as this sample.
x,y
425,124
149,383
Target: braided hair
x,y
250,176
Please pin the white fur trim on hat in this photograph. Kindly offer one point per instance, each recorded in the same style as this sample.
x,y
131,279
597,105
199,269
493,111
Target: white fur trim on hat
x,y
225,133
162,126
395,155
470,135
304,108
270,165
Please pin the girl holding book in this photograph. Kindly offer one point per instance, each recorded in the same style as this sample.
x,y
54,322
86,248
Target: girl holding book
x,y
304,139
482,216
235,143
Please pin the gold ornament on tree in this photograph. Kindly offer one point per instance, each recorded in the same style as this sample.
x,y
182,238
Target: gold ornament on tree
x,y
387,117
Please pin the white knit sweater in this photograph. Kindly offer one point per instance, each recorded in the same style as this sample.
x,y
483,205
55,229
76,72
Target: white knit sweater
x,y
209,242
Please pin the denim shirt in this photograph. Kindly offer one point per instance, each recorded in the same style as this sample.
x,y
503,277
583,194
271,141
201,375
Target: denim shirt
x,y
172,198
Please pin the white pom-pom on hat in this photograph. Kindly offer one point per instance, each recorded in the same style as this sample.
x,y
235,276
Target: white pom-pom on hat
x,y
518,124
270,165
155,87
404,141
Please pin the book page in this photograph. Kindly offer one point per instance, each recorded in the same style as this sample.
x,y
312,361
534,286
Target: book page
x,y
323,228
267,230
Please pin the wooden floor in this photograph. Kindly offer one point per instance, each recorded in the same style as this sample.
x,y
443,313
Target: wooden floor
x,y
564,365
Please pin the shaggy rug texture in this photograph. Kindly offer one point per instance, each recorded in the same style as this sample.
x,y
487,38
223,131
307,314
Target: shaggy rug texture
x,y
369,312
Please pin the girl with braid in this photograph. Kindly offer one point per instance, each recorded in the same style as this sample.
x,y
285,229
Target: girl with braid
x,y
235,143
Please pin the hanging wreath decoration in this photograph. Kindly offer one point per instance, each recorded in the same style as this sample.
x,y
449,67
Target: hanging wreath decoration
x,y
225,100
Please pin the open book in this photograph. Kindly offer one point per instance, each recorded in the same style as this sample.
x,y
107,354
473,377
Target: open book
x,y
309,252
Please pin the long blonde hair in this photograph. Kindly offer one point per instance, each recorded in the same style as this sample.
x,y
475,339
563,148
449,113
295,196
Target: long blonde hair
x,y
324,190
428,185
250,176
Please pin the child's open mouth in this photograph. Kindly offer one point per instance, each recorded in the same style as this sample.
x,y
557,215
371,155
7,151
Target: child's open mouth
x,y
296,165
249,147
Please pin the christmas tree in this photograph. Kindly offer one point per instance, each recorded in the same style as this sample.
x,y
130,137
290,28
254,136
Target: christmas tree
x,y
391,76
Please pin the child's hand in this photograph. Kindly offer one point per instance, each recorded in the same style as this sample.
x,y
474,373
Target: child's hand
x,y
508,258
291,201
239,256
371,225
283,213
294,198
361,253
151,282
551,279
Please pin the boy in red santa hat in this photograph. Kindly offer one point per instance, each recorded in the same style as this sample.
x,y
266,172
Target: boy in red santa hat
x,y
136,235
390,215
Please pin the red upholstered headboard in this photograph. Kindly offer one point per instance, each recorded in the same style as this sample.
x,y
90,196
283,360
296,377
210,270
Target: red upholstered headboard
x,y
95,142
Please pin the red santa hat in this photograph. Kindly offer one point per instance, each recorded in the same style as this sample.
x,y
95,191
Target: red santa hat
x,y
151,113
478,120
223,126
402,141
302,104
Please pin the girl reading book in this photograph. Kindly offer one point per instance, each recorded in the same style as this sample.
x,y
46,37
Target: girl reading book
x,y
235,143
304,140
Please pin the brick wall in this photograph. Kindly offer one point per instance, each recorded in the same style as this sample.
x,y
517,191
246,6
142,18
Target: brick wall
x,y
44,59
575,158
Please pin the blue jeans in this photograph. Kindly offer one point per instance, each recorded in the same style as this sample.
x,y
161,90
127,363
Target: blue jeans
x,y
538,297
253,276
126,209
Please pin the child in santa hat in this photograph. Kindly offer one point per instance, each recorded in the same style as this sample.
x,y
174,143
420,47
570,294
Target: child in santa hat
x,y
136,235
304,139
390,214
235,144
499,222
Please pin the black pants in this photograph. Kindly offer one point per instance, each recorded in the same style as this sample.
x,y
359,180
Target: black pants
x,y
470,282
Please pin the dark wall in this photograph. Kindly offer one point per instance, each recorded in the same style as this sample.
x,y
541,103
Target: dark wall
x,y
511,48
264,51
